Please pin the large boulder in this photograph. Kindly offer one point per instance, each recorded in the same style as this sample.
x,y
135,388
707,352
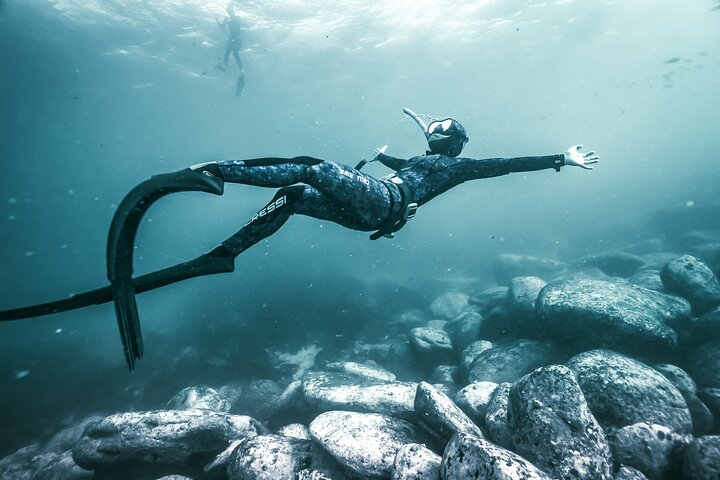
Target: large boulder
x,y
141,444
615,314
703,419
510,361
366,443
488,299
470,353
552,426
61,467
439,415
655,450
469,457
363,370
689,277
333,391
621,391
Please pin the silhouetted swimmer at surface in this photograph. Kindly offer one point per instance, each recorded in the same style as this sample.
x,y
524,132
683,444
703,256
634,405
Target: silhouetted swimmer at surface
x,y
234,44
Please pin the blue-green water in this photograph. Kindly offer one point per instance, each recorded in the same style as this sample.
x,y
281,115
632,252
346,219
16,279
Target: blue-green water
x,y
96,96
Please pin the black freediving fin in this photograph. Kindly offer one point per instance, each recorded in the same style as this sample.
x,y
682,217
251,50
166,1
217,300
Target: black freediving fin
x,y
121,243
210,263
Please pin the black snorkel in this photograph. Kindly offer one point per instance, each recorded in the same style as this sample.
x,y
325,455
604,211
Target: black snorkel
x,y
444,137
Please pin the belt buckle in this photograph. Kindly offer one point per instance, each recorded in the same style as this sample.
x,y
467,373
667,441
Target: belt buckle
x,y
410,211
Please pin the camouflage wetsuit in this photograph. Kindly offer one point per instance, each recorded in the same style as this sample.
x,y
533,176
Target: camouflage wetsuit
x,y
346,196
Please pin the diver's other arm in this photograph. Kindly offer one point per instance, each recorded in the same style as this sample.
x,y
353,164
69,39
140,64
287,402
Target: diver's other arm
x,y
387,160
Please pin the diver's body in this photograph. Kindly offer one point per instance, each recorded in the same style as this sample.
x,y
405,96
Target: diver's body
x,y
346,196
308,186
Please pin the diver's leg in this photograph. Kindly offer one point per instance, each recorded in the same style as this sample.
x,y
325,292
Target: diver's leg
x,y
361,196
288,201
236,55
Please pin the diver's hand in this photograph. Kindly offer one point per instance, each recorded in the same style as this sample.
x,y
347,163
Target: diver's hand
x,y
380,150
577,159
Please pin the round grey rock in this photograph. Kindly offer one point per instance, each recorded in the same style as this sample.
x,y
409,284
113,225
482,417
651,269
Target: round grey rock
x,y
295,430
510,361
622,391
615,264
366,443
496,421
469,457
689,277
269,457
333,391
474,399
648,279
655,450
464,329
629,473
588,313
470,353
416,462
449,304
703,363
439,414
158,443
553,427
432,346
702,459
199,397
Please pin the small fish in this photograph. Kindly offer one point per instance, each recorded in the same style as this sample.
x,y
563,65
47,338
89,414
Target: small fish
x,y
672,60
21,374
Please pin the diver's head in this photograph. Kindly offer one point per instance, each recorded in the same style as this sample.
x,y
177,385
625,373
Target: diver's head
x,y
446,137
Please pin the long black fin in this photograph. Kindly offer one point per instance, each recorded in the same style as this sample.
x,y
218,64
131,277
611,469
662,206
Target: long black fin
x,y
121,243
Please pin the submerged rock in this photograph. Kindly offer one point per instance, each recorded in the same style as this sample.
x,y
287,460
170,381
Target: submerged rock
x,y
702,459
269,457
432,346
629,473
366,443
704,365
621,391
463,329
416,462
475,398
295,430
596,313
552,426
439,414
470,353
509,266
496,421
333,391
468,457
689,277
614,264
61,467
648,279
369,371
449,305
510,361
139,444
199,397
488,299
655,450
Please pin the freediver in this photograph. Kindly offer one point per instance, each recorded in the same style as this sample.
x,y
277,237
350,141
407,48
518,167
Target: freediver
x,y
308,186
234,43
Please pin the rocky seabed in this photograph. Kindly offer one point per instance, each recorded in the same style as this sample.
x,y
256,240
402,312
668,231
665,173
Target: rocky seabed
x,y
606,368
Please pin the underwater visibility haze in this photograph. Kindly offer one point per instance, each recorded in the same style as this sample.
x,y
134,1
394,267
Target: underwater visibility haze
x,y
97,96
